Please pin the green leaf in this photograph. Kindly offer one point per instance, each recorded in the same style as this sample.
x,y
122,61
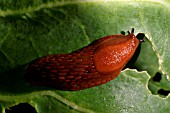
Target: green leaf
x,y
32,29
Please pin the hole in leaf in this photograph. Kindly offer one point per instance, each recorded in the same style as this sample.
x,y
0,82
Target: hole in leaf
x,y
163,92
157,77
21,108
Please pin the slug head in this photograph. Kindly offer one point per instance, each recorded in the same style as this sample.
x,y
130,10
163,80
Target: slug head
x,y
114,52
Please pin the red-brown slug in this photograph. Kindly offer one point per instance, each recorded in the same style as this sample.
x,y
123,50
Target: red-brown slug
x,y
90,66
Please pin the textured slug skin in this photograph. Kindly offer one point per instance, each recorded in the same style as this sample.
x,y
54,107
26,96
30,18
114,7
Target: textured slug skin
x,y
90,66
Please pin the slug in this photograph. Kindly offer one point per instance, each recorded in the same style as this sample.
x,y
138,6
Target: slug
x,y
93,65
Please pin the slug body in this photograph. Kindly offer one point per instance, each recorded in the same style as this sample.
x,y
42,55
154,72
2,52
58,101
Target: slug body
x,y
90,66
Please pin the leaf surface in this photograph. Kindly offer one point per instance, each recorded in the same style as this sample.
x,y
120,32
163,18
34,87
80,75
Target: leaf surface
x,y
32,29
